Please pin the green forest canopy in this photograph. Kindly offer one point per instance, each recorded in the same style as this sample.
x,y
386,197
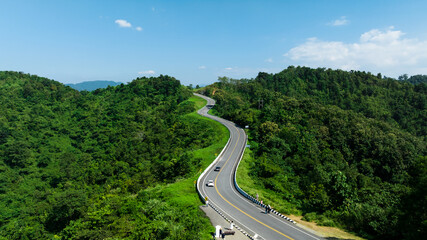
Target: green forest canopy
x,y
87,165
343,148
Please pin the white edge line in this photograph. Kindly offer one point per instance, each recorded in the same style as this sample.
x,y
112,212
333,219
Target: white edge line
x,y
219,155
240,224
240,195
235,171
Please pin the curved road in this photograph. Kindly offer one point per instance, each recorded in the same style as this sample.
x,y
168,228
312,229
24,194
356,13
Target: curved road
x,y
230,202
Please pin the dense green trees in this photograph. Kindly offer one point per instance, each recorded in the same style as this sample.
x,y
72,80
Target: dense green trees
x,y
83,165
399,103
345,146
416,79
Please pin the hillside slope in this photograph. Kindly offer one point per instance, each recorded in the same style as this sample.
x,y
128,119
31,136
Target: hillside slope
x,y
93,165
342,148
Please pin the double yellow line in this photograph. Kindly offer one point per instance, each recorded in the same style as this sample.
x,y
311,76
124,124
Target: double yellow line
x,y
233,204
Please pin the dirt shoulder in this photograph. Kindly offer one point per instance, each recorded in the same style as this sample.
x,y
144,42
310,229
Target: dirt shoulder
x,y
329,232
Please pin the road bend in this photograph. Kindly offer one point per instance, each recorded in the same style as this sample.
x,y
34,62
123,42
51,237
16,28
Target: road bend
x,y
224,196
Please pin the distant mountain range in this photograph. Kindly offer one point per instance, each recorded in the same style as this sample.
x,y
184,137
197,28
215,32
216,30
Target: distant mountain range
x,y
93,85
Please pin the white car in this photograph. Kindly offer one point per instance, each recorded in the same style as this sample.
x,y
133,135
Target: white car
x,y
210,183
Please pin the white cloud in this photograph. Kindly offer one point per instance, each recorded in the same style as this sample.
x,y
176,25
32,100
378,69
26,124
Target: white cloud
x,y
123,23
377,51
229,68
376,35
139,29
148,72
339,22
202,67
269,60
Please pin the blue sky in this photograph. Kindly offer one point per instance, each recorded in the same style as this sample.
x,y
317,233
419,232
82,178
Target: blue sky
x,y
197,41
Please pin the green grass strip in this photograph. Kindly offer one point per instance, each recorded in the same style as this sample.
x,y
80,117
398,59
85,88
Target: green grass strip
x,y
183,192
250,185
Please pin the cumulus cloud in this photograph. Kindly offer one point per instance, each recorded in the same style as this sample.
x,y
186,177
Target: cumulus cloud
x,y
380,51
340,22
139,29
229,68
123,23
148,72
202,67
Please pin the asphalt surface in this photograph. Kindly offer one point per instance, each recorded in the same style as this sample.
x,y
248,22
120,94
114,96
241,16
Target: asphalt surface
x,y
225,198
217,219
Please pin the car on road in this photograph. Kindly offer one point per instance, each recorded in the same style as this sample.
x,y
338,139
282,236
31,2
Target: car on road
x,y
217,169
210,183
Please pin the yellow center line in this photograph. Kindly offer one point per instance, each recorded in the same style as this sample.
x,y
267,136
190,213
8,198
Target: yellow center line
x,y
237,207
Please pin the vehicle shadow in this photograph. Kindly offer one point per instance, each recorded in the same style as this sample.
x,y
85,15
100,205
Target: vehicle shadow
x,y
335,238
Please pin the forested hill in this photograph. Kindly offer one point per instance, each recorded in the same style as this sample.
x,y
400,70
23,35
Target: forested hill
x,y
399,103
81,164
342,148
416,79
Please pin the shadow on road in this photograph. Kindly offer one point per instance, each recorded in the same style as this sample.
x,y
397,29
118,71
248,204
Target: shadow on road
x,y
334,238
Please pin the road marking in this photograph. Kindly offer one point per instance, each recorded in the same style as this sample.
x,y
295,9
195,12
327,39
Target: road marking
x,y
275,216
237,207
238,194
238,223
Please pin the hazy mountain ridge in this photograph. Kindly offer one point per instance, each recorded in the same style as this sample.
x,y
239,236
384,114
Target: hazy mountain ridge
x,y
415,79
93,165
92,85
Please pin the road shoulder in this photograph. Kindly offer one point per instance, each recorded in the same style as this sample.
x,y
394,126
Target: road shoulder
x,y
217,219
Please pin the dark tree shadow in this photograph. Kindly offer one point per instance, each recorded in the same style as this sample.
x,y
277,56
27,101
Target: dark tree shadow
x,y
334,238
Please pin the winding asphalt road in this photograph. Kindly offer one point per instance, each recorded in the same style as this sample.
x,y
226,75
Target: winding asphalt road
x,y
230,202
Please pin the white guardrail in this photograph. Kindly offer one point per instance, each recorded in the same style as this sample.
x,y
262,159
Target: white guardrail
x,y
208,169
253,199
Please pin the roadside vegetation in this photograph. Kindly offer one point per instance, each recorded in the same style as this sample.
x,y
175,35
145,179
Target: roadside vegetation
x,y
343,149
115,163
253,187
